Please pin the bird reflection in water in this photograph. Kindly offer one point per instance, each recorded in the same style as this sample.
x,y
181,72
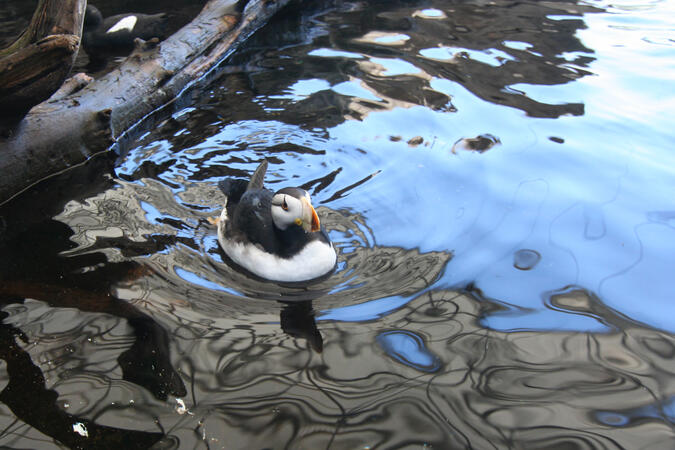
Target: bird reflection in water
x,y
27,392
298,320
147,364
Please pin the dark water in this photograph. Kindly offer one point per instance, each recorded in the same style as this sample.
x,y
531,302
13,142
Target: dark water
x,y
498,180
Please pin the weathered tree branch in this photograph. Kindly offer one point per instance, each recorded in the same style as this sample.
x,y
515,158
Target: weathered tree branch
x,y
35,65
56,135
50,17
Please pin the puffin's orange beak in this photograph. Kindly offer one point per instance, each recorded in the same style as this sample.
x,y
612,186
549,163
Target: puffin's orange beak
x,y
310,219
316,225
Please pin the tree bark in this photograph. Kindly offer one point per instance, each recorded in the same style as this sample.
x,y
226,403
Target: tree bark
x,y
35,65
50,17
60,133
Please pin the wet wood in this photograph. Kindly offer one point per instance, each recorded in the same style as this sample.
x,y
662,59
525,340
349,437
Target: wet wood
x,y
51,17
37,63
58,134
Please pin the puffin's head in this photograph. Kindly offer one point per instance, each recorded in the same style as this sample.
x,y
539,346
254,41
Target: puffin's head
x,y
292,207
92,17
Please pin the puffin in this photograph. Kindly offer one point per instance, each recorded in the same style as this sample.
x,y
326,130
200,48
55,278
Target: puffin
x,y
117,33
274,235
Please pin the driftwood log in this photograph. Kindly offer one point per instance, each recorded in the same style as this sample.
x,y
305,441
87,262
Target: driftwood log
x,y
35,65
67,129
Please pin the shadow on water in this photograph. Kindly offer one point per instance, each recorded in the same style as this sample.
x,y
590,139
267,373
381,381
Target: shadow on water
x,y
125,325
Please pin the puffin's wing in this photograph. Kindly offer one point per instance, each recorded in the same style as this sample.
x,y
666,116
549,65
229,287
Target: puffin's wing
x,y
252,219
233,189
258,176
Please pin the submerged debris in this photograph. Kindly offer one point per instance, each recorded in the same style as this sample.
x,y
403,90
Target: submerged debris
x,y
480,144
414,142
81,429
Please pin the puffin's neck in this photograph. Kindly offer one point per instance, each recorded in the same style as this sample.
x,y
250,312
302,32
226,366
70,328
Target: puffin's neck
x,y
291,240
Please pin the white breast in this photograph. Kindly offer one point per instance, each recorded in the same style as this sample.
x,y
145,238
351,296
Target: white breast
x,y
314,260
127,23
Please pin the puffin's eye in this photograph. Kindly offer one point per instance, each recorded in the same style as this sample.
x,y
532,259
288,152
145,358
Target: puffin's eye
x,y
284,206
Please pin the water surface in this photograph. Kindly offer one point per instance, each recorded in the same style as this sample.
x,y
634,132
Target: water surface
x,y
497,178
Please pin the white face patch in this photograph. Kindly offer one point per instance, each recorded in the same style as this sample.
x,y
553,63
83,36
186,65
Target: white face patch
x,y
284,218
128,23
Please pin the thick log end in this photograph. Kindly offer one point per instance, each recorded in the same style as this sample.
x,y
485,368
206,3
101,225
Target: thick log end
x,y
34,73
71,86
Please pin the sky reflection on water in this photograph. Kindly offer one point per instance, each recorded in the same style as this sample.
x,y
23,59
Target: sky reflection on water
x,y
582,204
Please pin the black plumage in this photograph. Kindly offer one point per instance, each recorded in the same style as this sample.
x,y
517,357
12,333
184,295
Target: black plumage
x,y
250,220
98,42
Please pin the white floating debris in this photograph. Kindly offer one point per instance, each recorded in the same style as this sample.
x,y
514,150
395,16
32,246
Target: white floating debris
x,y
181,408
79,428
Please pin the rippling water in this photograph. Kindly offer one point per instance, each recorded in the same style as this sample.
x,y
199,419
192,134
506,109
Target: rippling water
x,y
497,178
